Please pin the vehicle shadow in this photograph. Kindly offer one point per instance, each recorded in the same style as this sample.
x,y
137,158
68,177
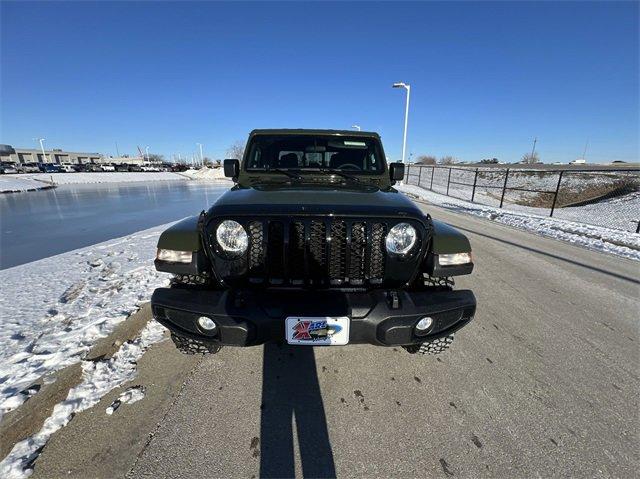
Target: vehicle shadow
x,y
290,389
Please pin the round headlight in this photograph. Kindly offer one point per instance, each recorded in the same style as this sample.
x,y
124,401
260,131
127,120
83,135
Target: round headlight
x,y
401,238
232,237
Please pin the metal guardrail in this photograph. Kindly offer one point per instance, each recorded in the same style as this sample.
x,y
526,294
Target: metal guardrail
x,y
609,198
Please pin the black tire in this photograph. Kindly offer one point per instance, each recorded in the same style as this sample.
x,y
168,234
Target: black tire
x,y
191,280
435,346
193,346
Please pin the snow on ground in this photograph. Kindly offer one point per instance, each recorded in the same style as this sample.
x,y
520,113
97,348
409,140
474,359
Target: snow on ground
x,y
206,173
620,243
14,183
620,213
98,378
102,177
53,310
129,396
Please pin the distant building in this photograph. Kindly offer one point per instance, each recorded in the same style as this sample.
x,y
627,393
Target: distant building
x,y
28,155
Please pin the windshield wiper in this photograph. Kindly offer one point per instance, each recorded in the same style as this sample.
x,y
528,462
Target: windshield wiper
x,y
290,174
334,171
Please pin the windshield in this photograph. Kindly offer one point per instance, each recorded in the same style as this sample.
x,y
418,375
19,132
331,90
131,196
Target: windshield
x,y
356,155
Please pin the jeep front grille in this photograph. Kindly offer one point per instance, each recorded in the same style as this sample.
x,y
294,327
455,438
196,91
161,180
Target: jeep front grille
x,y
318,252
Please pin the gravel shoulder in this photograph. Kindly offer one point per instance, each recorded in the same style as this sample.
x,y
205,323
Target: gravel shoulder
x,y
543,382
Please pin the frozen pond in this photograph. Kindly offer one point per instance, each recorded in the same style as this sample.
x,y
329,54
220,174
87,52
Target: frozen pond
x,y
39,224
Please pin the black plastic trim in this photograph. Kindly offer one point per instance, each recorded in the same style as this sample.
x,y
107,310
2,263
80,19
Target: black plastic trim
x,y
251,317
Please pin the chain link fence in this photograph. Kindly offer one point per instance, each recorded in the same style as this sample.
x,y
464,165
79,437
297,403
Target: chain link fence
x,y
609,198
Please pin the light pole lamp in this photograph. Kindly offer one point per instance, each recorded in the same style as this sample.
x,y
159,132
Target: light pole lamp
x,y
406,115
356,127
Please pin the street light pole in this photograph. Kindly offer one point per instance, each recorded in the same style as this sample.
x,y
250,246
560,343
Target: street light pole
x,y
406,116
146,149
44,156
201,157
357,127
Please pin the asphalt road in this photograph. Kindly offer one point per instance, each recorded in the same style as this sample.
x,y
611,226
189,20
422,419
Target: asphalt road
x,y
544,382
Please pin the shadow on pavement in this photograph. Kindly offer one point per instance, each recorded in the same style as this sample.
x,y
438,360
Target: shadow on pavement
x,y
291,390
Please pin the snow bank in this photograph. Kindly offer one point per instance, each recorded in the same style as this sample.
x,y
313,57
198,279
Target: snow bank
x,y
105,177
98,378
207,173
613,241
53,310
13,184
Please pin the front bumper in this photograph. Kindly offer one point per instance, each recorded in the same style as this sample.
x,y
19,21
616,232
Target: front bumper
x,y
251,317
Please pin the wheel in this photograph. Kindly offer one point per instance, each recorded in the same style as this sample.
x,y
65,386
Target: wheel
x,y
435,346
193,346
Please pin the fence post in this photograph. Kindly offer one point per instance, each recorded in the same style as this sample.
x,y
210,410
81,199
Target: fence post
x,y
504,187
407,174
475,180
419,175
448,181
433,172
555,196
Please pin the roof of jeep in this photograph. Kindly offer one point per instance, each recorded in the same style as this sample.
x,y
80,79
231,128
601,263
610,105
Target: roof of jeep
x,y
312,132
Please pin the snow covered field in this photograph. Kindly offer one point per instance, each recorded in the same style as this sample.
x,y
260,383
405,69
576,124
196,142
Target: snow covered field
x,y
14,184
106,177
206,174
53,310
620,212
36,181
608,240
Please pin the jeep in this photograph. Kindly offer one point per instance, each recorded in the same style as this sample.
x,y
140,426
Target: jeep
x,y
313,246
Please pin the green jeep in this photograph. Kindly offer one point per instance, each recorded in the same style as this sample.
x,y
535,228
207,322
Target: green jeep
x,y
313,246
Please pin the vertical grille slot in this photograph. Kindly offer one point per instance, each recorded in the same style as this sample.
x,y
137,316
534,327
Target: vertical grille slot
x,y
317,250
296,252
275,250
376,254
357,253
256,249
338,252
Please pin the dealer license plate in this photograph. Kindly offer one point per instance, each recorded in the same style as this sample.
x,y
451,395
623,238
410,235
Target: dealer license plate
x,y
317,331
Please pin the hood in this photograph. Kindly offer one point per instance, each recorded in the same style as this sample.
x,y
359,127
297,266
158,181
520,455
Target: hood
x,y
315,200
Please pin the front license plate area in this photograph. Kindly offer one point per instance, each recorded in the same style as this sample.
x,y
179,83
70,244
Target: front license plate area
x,y
317,331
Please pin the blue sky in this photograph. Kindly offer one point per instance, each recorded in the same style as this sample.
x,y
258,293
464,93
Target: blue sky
x,y
486,77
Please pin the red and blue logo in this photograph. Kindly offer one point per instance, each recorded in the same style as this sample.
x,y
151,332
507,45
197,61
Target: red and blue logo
x,y
314,330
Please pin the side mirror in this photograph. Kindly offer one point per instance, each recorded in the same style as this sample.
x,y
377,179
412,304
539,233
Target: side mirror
x,y
396,171
231,168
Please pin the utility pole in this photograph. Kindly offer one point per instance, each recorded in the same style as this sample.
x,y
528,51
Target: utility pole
x,y
201,157
584,153
533,151
117,150
44,156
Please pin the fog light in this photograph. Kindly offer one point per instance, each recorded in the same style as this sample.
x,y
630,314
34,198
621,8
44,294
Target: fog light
x,y
206,323
424,324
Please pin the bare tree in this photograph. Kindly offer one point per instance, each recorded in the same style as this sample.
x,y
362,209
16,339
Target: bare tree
x,y
236,151
530,158
426,160
207,162
447,160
